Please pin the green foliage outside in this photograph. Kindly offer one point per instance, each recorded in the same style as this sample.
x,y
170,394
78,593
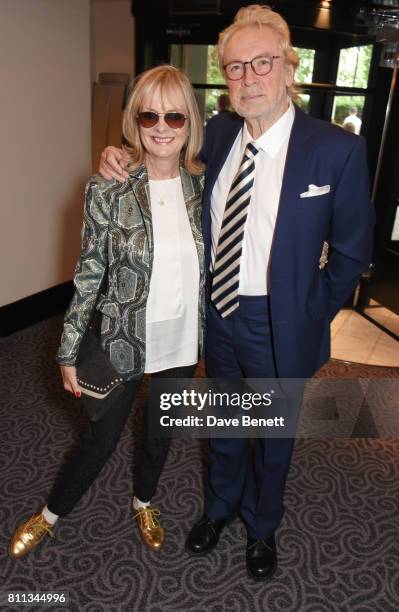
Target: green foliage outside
x,y
303,102
343,105
213,77
304,72
354,66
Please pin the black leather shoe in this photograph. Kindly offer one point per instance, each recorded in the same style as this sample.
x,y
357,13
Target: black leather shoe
x,y
204,536
261,558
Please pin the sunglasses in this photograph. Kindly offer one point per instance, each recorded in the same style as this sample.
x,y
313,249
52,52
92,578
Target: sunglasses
x,y
148,119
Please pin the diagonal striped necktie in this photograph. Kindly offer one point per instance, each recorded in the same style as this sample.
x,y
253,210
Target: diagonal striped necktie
x,y
226,270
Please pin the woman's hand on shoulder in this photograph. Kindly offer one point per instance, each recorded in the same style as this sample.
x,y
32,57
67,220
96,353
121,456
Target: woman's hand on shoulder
x,y
112,164
70,380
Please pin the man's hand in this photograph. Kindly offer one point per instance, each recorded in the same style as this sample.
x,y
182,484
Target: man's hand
x,y
112,164
69,379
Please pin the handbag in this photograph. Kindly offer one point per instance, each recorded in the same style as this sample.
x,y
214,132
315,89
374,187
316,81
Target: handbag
x,y
100,383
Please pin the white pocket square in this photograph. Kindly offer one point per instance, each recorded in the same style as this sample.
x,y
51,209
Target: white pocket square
x,y
314,190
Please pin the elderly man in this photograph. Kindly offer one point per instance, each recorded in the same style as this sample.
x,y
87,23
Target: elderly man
x,y
287,233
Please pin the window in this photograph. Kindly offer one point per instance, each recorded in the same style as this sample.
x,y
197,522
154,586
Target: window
x,y
354,66
213,76
304,72
353,71
202,66
342,112
303,102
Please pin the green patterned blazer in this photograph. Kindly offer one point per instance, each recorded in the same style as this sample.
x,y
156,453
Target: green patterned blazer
x,y
117,240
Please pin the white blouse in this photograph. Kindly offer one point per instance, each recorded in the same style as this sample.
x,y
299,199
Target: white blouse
x,y
172,304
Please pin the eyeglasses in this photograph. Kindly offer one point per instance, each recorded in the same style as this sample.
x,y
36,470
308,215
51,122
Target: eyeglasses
x,y
148,119
261,66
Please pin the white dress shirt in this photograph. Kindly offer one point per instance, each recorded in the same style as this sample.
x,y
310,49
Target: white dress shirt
x,y
172,304
262,213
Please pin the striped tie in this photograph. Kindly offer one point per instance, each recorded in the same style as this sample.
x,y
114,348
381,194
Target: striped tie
x,y
226,270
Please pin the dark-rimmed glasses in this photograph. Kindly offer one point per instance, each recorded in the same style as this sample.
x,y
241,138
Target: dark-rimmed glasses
x,y
261,65
148,119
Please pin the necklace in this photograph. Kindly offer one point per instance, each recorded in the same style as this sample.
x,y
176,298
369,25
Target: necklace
x,y
157,191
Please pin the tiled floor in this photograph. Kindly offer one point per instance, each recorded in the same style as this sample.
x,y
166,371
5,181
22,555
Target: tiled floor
x,y
354,338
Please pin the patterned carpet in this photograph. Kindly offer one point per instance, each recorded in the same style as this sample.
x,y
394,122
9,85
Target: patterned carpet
x,y
338,544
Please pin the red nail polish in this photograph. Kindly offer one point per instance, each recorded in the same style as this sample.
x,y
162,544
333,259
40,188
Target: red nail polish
x,y
77,394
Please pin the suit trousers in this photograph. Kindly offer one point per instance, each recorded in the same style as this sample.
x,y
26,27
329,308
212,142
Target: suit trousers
x,y
97,444
244,478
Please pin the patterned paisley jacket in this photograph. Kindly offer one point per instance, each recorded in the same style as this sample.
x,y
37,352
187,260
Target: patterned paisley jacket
x,y
117,241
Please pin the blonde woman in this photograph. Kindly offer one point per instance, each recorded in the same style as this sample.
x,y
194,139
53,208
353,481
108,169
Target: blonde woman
x,y
144,236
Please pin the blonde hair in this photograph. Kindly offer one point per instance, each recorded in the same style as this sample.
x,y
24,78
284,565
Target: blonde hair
x,y
259,16
170,81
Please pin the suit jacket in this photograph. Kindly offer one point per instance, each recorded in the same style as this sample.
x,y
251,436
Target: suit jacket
x,y
117,254
304,297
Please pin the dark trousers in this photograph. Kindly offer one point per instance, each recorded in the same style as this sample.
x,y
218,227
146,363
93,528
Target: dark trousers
x,y
240,478
97,444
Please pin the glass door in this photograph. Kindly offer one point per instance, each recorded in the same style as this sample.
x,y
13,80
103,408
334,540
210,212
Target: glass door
x,y
201,64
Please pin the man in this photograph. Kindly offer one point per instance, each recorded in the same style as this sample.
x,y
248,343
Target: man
x,y
223,104
353,120
270,212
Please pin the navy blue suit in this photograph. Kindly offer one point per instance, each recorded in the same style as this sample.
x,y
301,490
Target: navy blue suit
x,y
302,302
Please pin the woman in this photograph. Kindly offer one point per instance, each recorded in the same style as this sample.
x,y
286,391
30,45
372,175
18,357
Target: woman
x,y
144,237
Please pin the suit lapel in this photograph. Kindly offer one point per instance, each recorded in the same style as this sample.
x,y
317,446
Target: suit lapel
x,y
222,148
296,165
224,138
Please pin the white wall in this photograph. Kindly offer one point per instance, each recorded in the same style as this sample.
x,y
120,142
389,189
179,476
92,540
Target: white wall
x,y
45,145
112,36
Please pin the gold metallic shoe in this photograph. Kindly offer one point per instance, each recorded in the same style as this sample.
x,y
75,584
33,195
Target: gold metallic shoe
x,y
28,535
151,531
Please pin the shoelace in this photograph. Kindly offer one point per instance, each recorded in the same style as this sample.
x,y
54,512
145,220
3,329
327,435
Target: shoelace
x,y
148,517
37,527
